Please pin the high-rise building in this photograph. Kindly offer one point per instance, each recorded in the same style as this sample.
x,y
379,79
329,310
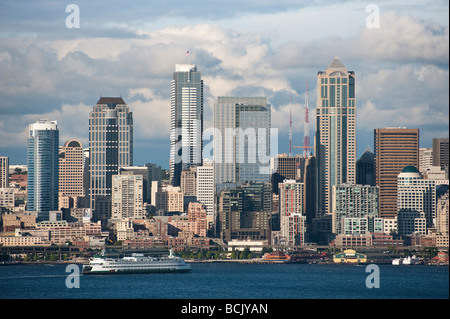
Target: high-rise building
x,y
242,149
4,172
442,215
283,167
425,159
441,153
188,182
292,220
245,212
197,219
186,120
127,196
335,144
205,190
395,148
111,147
365,168
70,173
414,193
353,201
43,168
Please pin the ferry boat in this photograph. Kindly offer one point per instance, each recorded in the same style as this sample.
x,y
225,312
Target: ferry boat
x,y
137,263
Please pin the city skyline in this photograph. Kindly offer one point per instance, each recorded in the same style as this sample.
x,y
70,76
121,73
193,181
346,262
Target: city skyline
x,y
57,73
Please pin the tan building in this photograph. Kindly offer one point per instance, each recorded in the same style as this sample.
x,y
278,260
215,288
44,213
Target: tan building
x,y
127,196
70,173
189,181
395,148
335,140
197,219
169,199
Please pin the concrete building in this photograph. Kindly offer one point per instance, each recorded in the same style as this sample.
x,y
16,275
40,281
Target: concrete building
x,y
188,181
127,196
110,147
4,172
43,168
335,140
441,153
197,219
70,174
416,194
395,148
292,220
206,191
186,120
353,201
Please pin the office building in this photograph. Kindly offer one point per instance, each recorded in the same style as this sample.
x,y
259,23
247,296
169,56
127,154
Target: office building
x,y
70,174
425,159
353,201
414,193
4,172
395,148
188,181
205,190
242,139
440,152
442,215
186,120
335,140
365,168
283,167
245,212
43,168
110,147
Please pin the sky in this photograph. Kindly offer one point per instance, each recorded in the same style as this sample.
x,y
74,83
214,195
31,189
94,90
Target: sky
x,y
399,51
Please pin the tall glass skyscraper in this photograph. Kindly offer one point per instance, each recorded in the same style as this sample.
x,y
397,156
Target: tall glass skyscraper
x,y
336,131
186,120
242,139
111,147
43,168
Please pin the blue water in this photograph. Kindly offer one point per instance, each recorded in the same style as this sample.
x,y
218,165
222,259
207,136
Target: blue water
x,y
230,281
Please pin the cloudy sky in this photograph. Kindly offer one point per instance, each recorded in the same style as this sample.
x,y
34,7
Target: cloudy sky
x,y
242,47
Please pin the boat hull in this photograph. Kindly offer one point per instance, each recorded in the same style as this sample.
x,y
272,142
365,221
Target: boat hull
x,y
134,271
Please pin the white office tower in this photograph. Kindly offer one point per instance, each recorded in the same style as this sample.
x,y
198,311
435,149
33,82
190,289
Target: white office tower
x,y
186,120
205,190
416,198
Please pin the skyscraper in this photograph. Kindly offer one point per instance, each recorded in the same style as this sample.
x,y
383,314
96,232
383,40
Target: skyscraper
x,y
335,144
110,146
395,148
70,172
186,120
242,147
43,168
292,220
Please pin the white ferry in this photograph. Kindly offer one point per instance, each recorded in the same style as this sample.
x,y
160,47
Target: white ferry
x,y
137,263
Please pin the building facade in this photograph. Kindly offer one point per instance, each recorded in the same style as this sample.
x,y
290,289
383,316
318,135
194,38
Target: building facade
x,y
242,139
414,193
4,172
111,147
292,220
335,144
43,168
395,148
186,120
127,196
353,201
70,172
206,192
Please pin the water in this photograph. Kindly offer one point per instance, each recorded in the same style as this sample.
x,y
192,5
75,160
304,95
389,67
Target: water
x,y
230,281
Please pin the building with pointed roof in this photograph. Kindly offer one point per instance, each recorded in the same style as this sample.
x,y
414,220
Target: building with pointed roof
x,y
335,144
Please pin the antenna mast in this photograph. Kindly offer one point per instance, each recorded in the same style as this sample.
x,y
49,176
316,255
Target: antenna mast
x,y
306,127
290,129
